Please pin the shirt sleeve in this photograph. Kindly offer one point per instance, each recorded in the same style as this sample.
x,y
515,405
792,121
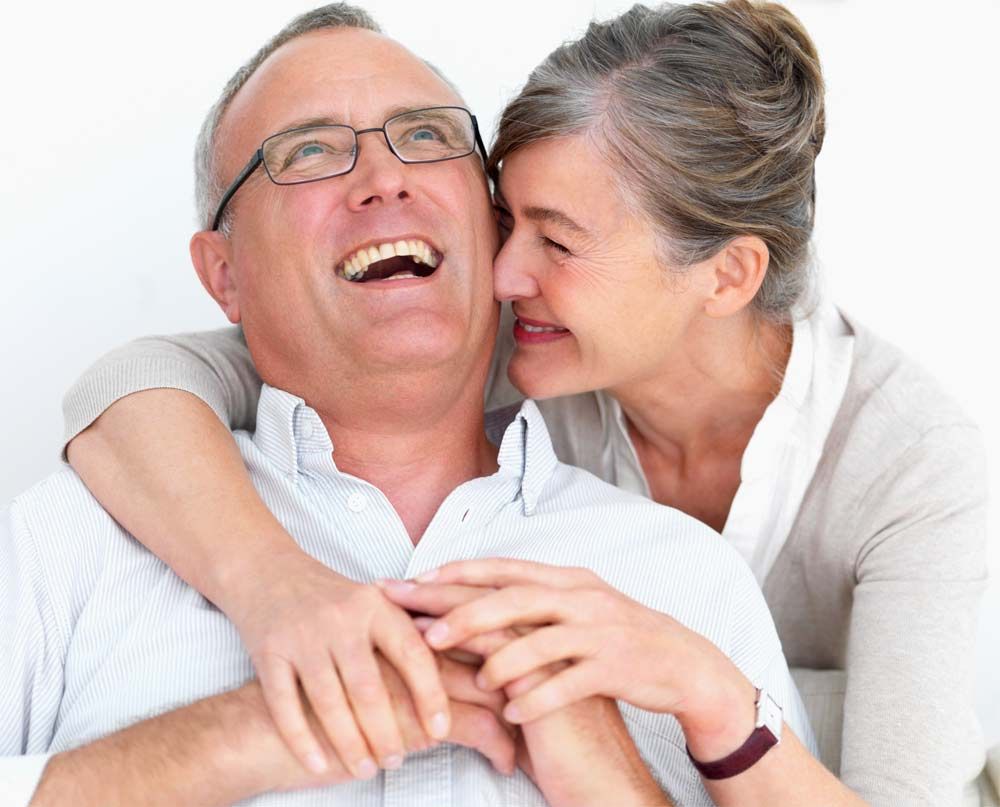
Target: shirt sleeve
x,y
31,654
213,365
909,720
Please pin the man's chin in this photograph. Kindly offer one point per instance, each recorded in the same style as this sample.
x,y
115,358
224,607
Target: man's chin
x,y
413,349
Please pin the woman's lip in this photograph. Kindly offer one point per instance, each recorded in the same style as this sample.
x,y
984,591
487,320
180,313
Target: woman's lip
x,y
525,337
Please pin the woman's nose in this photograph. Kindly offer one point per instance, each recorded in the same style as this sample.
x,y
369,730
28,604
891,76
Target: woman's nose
x,y
513,275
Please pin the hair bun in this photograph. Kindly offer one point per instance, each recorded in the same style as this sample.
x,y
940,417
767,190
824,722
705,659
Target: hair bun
x,y
795,67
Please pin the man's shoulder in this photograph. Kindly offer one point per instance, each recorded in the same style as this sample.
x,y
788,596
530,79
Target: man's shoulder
x,y
62,518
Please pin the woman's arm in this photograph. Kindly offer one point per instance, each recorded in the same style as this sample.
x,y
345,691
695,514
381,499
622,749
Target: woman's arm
x,y
910,732
215,366
621,649
167,468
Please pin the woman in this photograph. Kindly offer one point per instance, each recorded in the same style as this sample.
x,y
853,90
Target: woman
x,y
656,189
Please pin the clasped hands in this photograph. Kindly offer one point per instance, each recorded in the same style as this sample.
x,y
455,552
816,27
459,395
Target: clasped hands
x,y
499,644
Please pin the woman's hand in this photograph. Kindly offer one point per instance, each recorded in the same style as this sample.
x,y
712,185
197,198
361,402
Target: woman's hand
x,y
310,626
618,647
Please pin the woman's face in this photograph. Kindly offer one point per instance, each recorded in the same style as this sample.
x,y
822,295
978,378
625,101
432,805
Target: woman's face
x,y
594,308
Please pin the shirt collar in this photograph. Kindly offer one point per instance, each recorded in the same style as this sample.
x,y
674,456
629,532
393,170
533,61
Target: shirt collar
x,y
289,432
526,451
292,436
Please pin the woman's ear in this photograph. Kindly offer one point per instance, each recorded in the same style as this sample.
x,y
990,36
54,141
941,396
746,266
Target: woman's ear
x,y
210,254
740,268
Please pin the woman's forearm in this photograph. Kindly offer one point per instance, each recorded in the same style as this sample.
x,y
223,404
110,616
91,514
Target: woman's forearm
x,y
787,775
169,471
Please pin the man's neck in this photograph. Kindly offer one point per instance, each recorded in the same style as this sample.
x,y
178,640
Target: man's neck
x,y
416,445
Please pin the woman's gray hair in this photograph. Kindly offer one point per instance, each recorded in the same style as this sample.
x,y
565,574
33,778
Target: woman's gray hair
x,y
208,185
711,116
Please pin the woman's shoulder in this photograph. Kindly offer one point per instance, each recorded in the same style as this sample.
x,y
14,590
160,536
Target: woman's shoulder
x,y
900,449
890,394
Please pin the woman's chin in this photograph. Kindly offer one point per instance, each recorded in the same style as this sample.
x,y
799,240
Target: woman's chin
x,y
538,381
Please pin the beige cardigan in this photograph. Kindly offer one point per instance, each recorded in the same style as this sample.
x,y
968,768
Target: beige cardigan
x,y
874,594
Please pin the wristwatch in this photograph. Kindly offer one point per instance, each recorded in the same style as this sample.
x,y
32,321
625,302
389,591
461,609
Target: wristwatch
x,y
766,735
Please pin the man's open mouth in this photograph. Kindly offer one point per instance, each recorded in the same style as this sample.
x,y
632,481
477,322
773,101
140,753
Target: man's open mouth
x,y
391,260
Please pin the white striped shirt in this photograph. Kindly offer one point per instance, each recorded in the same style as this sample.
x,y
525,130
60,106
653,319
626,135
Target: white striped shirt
x,y
96,633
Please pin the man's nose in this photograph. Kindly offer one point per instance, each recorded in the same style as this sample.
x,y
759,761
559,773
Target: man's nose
x,y
513,273
379,176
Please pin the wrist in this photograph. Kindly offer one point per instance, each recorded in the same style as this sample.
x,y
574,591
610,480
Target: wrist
x,y
266,559
245,742
720,719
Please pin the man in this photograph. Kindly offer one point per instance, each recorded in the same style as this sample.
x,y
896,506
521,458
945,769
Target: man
x,y
122,685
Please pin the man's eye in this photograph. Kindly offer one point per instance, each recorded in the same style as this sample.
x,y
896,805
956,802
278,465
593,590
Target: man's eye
x,y
425,134
308,150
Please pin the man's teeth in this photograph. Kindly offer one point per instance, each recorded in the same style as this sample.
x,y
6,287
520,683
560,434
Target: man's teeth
x,y
540,328
356,265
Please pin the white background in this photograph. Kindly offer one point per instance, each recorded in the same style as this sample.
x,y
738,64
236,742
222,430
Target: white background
x,y
102,101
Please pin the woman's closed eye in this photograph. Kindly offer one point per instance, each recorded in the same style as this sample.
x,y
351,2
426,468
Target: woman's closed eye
x,y
555,245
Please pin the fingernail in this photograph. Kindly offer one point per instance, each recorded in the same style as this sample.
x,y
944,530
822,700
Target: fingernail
x,y
427,576
393,762
437,634
423,622
511,713
316,762
367,769
481,681
439,726
401,586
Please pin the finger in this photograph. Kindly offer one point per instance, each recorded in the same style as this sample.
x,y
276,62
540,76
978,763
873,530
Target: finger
x,y
414,736
500,572
533,652
480,647
369,700
460,683
430,599
404,647
478,728
322,686
514,605
281,694
575,683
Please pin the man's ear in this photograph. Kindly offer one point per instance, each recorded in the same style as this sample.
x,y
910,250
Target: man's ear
x,y
740,268
210,254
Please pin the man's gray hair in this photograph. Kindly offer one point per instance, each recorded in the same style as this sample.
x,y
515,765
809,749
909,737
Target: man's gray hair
x,y
208,184
710,116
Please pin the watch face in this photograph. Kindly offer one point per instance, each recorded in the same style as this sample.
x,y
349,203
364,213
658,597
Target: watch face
x,y
769,715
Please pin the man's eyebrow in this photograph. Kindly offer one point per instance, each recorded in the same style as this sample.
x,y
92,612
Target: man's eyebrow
x,y
557,217
398,109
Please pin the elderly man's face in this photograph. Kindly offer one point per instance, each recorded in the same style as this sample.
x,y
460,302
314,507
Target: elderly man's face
x,y
289,243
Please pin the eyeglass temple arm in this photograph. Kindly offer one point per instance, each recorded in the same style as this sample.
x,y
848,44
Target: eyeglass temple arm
x,y
248,169
479,142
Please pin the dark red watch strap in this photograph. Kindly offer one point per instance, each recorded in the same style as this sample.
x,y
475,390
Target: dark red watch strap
x,y
758,743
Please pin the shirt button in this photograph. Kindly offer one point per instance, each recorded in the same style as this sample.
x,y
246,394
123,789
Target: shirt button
x,y
357,502
307,430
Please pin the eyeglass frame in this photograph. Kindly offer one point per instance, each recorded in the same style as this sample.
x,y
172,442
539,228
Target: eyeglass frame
x,y
258,157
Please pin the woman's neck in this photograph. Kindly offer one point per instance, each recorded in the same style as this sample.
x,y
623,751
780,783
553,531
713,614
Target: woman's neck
x,y
711,392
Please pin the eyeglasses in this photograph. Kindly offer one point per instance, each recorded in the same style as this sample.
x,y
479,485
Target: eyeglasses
x,y
312,153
